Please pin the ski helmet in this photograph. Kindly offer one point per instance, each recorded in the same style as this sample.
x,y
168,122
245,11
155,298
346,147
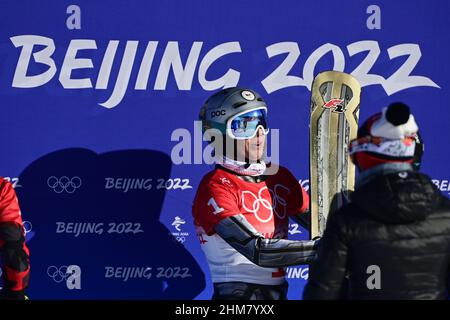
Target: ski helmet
x,y
237,113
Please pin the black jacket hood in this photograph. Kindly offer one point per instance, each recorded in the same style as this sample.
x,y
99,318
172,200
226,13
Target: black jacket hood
x,y
397,198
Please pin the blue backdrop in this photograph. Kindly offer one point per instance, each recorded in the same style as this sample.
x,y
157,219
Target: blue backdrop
x,y
91,92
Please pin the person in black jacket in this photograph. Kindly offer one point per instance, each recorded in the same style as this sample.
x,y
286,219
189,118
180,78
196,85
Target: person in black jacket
x,y
392,241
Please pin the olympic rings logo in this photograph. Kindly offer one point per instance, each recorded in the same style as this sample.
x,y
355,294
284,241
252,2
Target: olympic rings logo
x,y
277,199
27,226
60,274
64,183
181,239
258,201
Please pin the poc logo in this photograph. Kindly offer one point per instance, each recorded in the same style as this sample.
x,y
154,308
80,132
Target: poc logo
x,y
70,274
218,113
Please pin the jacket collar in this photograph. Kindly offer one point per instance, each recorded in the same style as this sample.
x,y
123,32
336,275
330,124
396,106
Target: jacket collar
x,y
382,169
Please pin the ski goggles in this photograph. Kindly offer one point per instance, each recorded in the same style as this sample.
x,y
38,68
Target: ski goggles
x,y
246,124
387,147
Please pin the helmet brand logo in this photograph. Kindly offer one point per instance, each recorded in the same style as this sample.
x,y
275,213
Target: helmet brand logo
x,y
248,95
218,113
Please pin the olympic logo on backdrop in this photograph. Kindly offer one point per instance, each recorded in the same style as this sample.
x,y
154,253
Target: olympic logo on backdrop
x,y
179,236
64,184
180,239
178,222
259,200
28,230
58,274
27,226
70,274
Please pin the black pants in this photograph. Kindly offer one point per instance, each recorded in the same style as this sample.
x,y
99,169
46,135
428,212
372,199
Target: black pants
x,y
249,291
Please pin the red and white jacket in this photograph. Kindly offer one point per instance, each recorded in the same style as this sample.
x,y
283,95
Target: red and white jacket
x,y
16,266
266,205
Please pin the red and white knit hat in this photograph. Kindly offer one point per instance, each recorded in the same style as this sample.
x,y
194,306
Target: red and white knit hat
x,y
389,136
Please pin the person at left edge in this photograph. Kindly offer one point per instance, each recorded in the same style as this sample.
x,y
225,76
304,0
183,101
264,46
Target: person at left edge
x,y
242,207
14,252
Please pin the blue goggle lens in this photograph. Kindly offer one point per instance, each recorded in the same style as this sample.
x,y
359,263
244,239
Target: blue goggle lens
x,y
247,124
